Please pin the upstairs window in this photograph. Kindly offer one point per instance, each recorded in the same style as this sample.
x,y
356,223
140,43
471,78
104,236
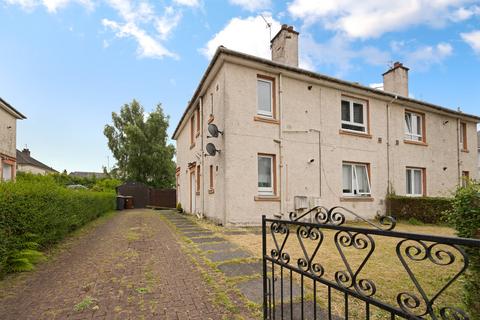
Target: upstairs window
x,y
414,126
354,115
192,130
356,179
463,136
415,182
266,173
198,121
265,105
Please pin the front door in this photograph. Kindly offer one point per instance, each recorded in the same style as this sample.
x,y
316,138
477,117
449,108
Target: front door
x,y
192,191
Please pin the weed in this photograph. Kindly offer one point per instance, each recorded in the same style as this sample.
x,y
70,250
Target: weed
x,y
85,304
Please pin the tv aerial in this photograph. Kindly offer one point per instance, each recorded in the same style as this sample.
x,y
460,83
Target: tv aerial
x,y
211,149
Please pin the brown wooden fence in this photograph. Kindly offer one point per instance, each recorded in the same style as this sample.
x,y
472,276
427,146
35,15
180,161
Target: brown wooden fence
x,y
144,196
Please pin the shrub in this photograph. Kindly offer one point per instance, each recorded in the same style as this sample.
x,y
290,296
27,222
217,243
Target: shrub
x,y
465,218
36,212
422,209
179,207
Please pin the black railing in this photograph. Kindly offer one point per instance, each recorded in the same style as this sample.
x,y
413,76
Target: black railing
x,y
332,292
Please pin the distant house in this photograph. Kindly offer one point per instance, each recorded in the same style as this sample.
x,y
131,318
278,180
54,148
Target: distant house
x,y
26,163
86,174
8,140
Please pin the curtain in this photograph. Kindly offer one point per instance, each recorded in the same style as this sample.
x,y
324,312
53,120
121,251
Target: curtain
x,y
347,178
7,172
264,96
408,123
417,182
264,172
358,113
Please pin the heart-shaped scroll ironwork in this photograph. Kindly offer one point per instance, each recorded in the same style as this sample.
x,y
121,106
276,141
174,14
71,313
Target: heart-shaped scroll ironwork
x,y
349,278
418,250
306,264
277,253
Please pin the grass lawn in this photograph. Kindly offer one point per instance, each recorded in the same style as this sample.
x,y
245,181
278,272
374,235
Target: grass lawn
x,y
383,268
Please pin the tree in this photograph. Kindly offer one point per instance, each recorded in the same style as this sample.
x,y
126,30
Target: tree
x,y
139,143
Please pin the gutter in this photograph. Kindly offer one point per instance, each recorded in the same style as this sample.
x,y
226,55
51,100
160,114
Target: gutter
x,y
12,110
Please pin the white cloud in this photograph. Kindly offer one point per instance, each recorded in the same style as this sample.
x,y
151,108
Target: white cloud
x,y
339,53
252,5
248,35
422,57
137,20
188,3
52,6
473,39
372,18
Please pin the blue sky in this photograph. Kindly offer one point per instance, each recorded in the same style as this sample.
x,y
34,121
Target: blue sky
x,y
67,64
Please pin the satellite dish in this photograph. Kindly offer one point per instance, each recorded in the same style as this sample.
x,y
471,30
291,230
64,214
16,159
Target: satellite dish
x,y
213,130
211,149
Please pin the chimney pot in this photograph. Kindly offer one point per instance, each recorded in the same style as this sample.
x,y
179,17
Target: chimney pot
x,y
26,151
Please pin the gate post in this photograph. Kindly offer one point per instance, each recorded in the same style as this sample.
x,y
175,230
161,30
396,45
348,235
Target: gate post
x,y
264,262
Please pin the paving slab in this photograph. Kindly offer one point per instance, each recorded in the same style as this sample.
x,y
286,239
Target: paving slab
x,y
241,269
198,234
218,256
209,239
253,290
235,232
217,246
184,230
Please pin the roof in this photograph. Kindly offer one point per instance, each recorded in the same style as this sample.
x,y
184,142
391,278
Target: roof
x,y
222,51
8,107
86,174
26,159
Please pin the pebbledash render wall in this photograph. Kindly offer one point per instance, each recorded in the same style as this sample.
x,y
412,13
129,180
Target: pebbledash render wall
x,y
8,139
308,144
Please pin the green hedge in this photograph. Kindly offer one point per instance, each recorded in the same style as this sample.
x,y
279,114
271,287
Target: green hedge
x,y
424,209
35,213
465,218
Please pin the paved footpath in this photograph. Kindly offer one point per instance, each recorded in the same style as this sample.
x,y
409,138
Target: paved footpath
x,y
129,267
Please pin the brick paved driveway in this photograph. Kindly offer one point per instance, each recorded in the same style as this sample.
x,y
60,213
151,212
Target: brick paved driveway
x,y
130,267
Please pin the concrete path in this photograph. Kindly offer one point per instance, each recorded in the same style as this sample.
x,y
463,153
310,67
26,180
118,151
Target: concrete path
x,y
130,267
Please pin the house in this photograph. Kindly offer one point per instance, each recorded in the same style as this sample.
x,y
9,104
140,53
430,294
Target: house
x,y
26,163
85,174
287,139
8,140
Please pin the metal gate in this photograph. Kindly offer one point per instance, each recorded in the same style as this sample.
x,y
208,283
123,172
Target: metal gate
x,y
323,269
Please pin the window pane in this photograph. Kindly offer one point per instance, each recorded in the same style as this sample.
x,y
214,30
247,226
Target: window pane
x,y
347,178
345,110
265,172
408,123
352,127
264,91
362,179
417,182
7,172
419,125
409,181
357,113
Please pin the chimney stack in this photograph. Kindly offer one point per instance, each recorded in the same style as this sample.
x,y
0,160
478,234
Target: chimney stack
x,y
395,80
26,152
284,46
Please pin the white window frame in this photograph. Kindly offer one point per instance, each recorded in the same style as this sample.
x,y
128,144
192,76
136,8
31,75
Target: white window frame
x,y
355,192
351,122
412,186
413,136
263,112
267,191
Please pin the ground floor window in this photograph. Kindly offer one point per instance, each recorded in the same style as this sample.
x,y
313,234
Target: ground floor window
x,y
465,178
7,172
266,174
415,182
356,179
